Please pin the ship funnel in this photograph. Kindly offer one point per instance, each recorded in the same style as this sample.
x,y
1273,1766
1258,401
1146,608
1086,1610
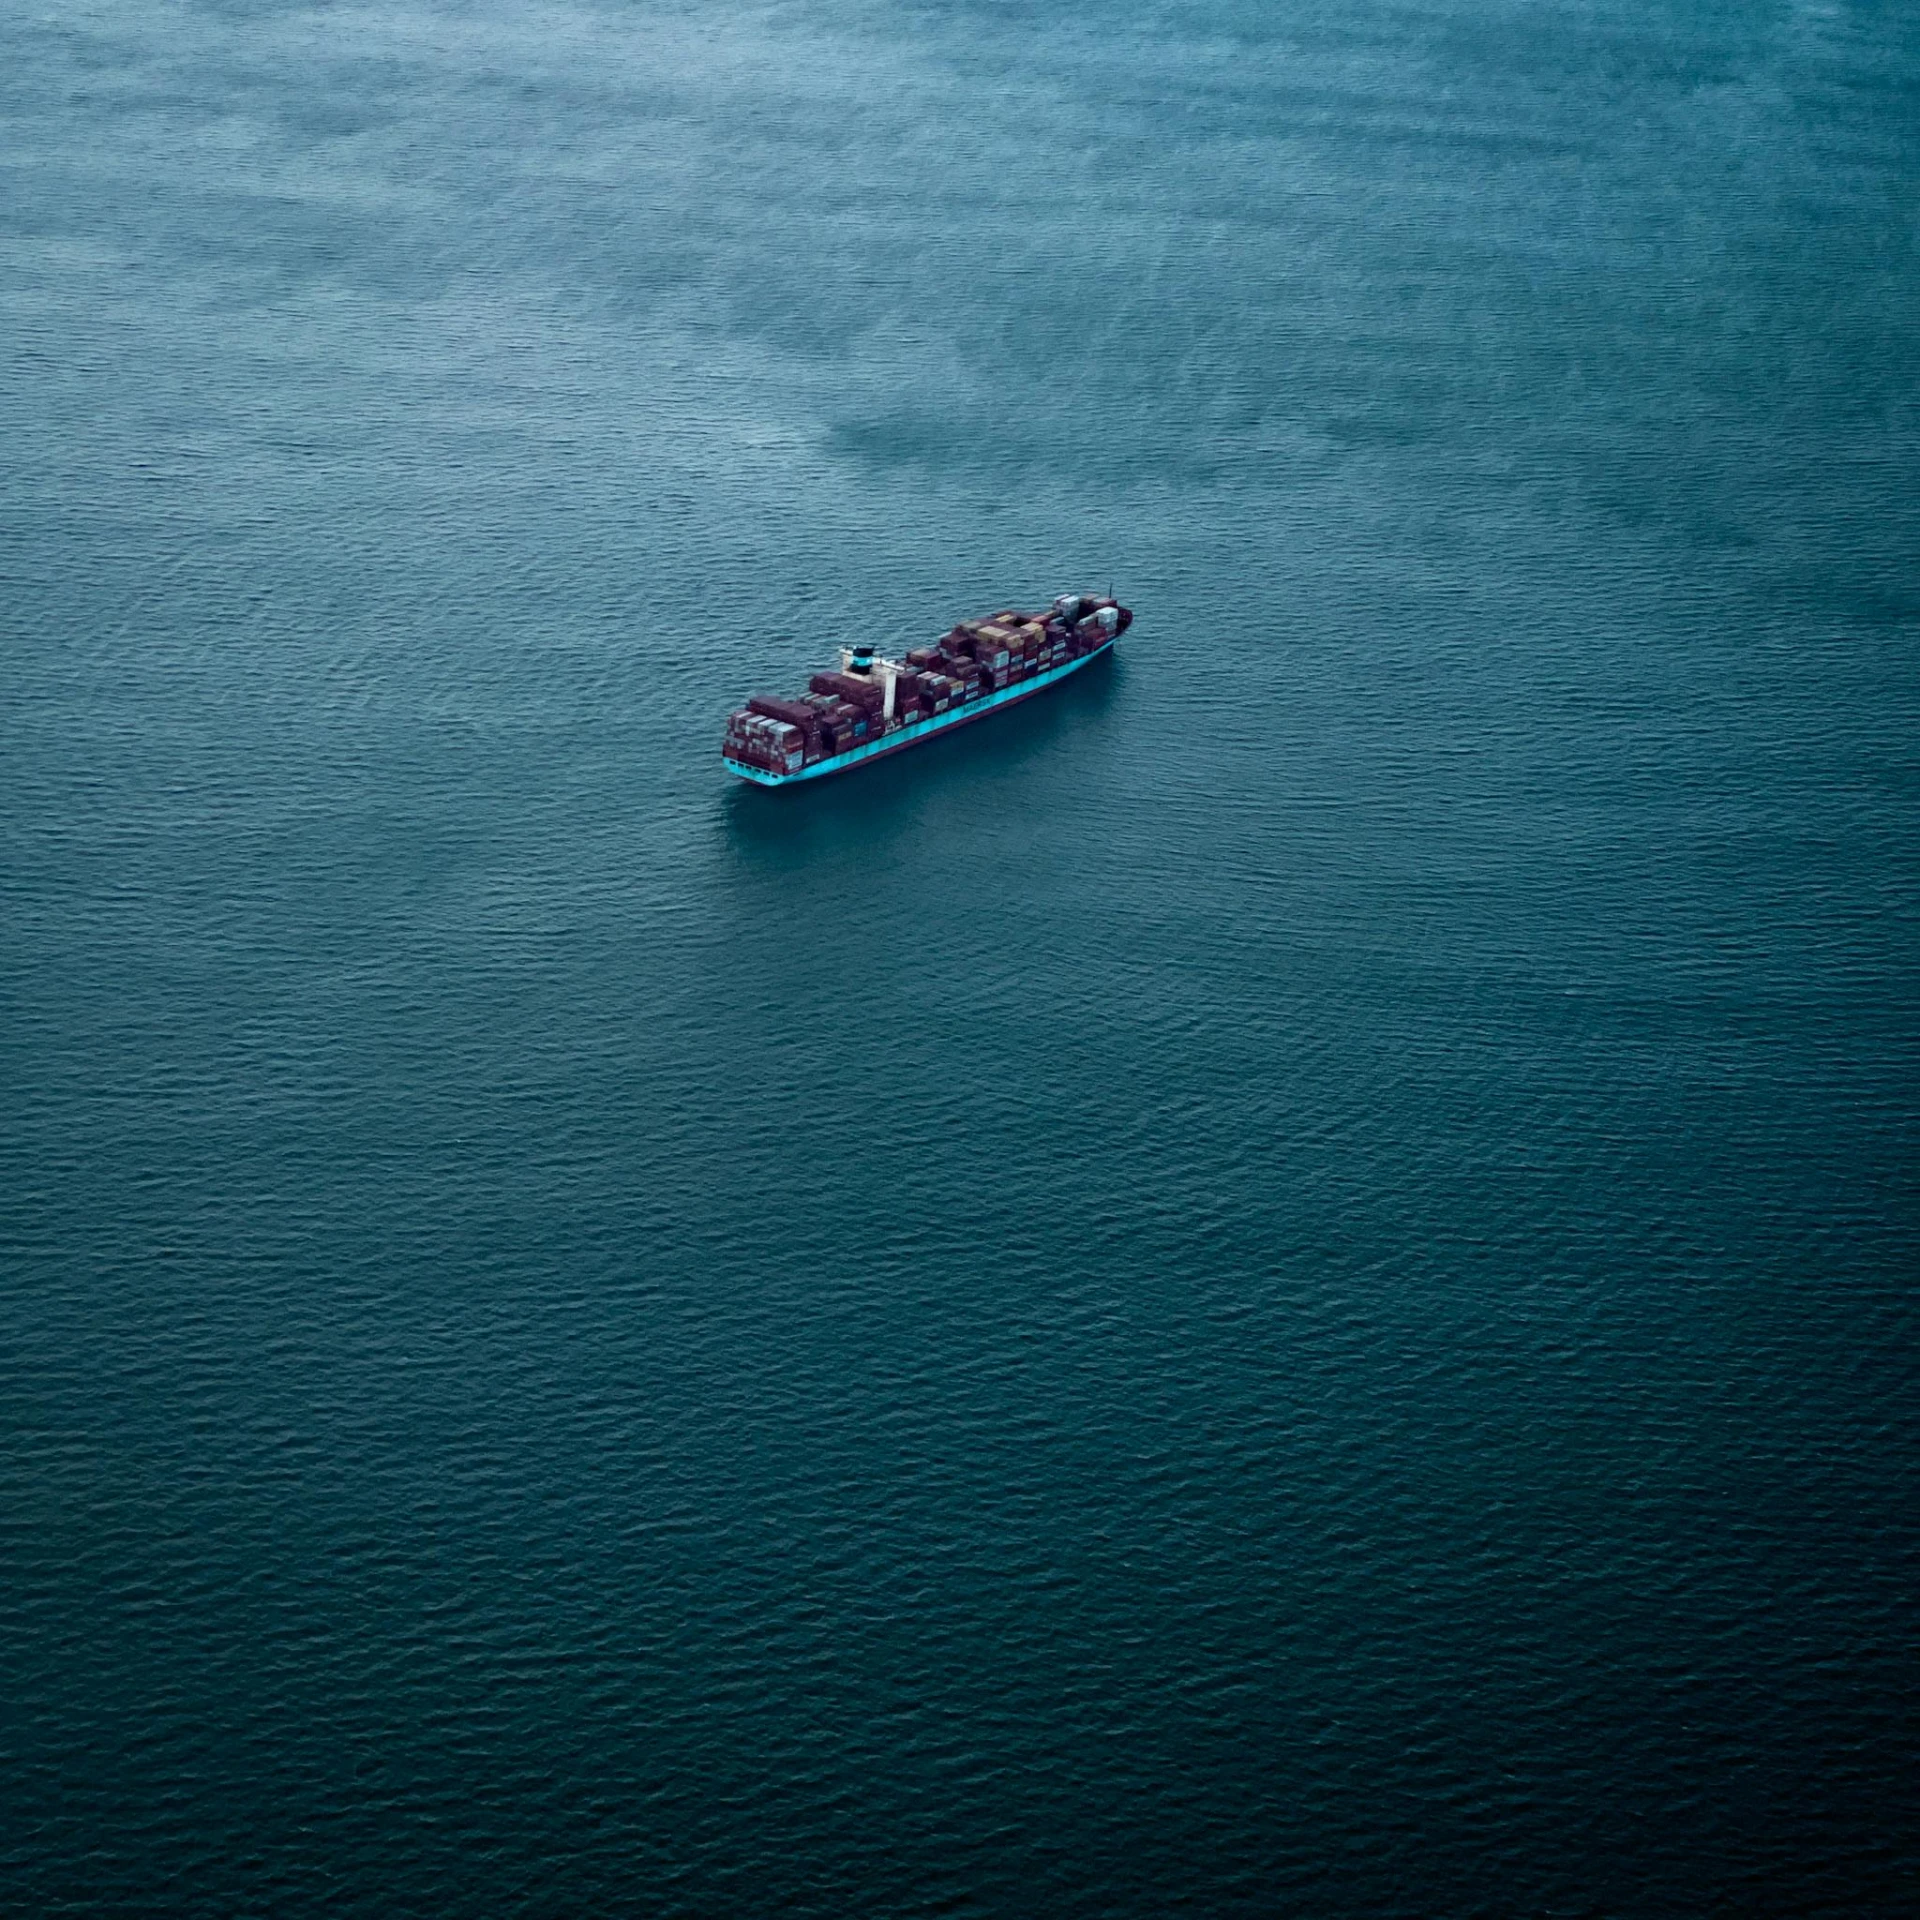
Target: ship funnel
x,y
860,659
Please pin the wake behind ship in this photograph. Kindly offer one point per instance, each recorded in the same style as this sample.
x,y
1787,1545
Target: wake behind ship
x,y
874,706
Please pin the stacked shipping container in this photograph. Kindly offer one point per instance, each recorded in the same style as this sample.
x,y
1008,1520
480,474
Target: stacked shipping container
x,y
847,708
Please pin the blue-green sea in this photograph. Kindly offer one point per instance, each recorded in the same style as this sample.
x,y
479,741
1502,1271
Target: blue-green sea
x,y
1279,1284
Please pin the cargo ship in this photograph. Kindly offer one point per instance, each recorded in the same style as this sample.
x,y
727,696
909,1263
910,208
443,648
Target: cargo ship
x,y
873,706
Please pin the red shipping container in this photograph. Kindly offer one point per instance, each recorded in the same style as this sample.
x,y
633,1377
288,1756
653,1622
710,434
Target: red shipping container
x,y
849,686
795,713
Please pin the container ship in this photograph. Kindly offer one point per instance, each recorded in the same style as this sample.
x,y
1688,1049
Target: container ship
x,y
874,706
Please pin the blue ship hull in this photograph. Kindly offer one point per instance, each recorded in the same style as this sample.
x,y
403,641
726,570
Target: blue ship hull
x,y
913,734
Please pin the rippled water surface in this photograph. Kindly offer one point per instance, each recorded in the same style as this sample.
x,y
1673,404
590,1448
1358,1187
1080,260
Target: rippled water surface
x,y
1278,1284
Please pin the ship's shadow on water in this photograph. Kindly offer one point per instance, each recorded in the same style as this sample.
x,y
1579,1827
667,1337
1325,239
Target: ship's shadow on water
x,y
894,796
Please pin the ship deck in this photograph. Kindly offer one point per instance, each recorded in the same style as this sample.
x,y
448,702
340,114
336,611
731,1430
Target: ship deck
x,y
916,731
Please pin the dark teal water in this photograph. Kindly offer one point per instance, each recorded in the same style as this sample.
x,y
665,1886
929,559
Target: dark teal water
x,y
1281,1284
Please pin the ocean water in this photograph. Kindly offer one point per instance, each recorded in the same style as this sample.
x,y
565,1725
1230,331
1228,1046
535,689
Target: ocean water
x,y
1281,1284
